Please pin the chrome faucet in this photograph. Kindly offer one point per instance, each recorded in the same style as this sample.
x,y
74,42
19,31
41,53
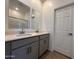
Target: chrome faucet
x,y
22,31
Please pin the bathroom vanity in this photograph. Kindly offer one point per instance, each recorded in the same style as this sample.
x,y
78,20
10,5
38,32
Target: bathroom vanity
x,y
26,47
23,18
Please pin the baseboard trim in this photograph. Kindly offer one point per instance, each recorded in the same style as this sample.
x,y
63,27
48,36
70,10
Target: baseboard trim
x,y
62,54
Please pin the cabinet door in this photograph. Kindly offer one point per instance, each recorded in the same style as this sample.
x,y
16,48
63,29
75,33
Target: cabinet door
x,y
7,50
43,45
21,53
26,52
34,50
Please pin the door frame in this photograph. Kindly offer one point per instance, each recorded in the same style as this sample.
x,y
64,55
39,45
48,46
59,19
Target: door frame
x,y
71,4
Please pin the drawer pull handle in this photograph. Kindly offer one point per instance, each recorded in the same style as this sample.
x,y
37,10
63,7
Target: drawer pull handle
x,y
29,50
44,41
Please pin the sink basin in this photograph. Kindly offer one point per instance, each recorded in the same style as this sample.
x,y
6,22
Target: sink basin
x,y
24,34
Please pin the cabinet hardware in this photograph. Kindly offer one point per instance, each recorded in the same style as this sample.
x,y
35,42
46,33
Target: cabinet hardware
x,y
30,49
70,34
44,41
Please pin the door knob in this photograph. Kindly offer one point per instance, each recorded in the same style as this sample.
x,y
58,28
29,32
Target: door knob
x,y
70,34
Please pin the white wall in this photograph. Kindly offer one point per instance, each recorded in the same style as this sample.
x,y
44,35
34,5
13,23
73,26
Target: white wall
x,y
48,17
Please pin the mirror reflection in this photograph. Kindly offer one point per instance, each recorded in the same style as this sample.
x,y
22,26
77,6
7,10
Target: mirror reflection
x,y
19,14
22,16
35,19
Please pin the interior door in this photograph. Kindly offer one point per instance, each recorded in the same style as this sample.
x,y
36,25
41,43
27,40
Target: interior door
x,y
64,30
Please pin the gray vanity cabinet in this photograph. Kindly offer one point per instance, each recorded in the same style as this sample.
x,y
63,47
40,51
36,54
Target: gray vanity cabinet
x,y
27,48
44,43
34,50
7,50
27,52
21,53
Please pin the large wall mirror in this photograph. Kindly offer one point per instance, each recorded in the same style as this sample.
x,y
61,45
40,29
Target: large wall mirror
x,y
22,16
19,15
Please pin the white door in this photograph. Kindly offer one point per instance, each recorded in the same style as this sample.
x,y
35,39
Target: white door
x,y
64,30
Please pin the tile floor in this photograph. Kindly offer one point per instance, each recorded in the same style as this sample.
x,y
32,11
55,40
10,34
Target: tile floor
x,y
54,55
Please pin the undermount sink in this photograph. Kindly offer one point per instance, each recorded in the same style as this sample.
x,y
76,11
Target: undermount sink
x,y
24,34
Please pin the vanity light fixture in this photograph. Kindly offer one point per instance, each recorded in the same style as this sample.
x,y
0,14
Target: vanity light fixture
x,y
17,8
33,16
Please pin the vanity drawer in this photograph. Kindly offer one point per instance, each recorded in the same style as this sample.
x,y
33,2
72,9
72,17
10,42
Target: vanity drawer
x,y
22,42
44,36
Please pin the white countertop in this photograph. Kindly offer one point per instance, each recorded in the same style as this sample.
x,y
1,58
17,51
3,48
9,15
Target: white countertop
x,y
20,36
